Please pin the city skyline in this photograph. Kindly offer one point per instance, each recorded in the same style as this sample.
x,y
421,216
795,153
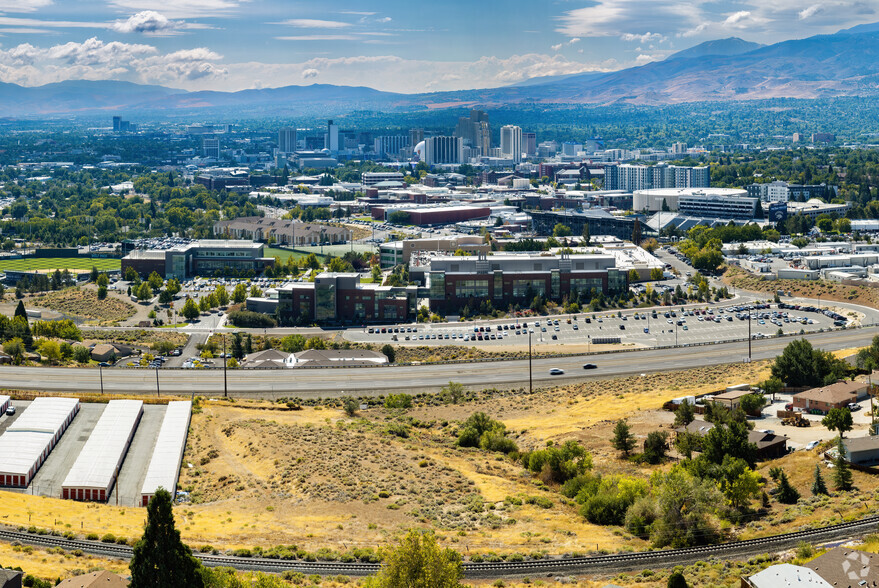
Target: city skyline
x,y
238,44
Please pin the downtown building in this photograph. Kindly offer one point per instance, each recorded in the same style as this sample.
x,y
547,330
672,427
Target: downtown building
x,y
443,150
633,177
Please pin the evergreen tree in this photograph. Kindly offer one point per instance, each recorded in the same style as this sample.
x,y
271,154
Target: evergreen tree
x,y
684,415
622,437
842,473
786,494
818,485
20,310
160,559
677,579
237,346
248,345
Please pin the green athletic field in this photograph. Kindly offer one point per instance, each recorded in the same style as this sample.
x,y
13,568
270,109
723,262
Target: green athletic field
x,y
62,263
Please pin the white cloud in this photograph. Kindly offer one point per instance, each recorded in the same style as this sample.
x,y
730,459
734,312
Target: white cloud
x,y
95,59
384,19
647,37
619,17
23,5
318,38
557,47
312,23
809,12
181,8
310,73
148,22
737,17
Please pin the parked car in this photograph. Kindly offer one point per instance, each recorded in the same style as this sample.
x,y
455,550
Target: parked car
x,y
10,410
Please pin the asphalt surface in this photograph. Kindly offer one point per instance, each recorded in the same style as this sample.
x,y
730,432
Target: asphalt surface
x,y
129,483
378,380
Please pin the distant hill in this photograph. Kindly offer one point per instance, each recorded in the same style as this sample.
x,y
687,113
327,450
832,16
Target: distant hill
x,y
730,46
842,64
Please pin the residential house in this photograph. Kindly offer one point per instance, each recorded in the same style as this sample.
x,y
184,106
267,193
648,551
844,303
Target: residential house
x,y
769,445
732,398
838,395
844,566
862,450
10,578
102,579
785,576
108,351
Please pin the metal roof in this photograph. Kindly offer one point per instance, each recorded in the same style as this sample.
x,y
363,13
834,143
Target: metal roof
x,y
45,415
102,454
168,454
19,452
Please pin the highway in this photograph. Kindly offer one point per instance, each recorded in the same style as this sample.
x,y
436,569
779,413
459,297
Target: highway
x,y
330,382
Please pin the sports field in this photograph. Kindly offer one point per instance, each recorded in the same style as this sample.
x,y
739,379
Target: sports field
x,y
62,263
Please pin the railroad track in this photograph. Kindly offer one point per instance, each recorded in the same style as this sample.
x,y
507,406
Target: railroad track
x,y
558,565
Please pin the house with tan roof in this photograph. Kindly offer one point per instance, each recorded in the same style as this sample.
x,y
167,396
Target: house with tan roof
x,y
837,395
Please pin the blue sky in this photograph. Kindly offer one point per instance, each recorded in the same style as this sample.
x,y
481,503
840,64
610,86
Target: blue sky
x,y
394,45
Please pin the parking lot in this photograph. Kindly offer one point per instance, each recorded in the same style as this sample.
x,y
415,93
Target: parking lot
x,y
48,479
648,327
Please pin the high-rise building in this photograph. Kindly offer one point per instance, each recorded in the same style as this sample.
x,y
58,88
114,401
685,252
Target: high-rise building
x,y
390,145
475,130
211,147
416,136
331,139
529,143
632,177
287,140
117,123
679,148
443,150
511,142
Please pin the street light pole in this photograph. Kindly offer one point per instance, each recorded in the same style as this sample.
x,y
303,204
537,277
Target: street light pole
x,y
101,374
749,333
530,380
158,392
225,383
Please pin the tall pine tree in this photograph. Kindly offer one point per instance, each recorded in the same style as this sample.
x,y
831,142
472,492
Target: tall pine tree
x,y
842,473
160,558
818,485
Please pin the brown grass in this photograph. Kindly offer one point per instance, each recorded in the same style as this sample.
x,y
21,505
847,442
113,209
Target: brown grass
x,y
84,303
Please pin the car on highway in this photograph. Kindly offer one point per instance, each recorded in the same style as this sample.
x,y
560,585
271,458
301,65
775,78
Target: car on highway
x,y
589,366
556,372
10,410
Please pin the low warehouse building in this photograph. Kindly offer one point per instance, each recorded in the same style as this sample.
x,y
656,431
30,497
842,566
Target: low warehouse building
x,y
95,470
164,467
29,440
4,404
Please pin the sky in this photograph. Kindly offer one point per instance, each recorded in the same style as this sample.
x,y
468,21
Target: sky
x,y
393,45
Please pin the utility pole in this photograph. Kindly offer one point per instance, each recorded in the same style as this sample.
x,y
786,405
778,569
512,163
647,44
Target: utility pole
x,y
530,380
225,382
101,374
749,333
158,392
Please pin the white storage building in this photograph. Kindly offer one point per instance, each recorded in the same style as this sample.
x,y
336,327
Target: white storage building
x,y
4,404
95,470
167,457
29,440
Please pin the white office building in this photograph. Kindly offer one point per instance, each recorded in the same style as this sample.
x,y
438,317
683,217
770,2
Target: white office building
x,y
439,150
287,140
511,142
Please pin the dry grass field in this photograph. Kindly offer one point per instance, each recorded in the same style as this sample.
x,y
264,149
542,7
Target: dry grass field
x,y
261,474
83,302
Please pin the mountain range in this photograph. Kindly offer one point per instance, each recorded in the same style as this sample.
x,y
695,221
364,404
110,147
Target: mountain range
x,y
840,64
